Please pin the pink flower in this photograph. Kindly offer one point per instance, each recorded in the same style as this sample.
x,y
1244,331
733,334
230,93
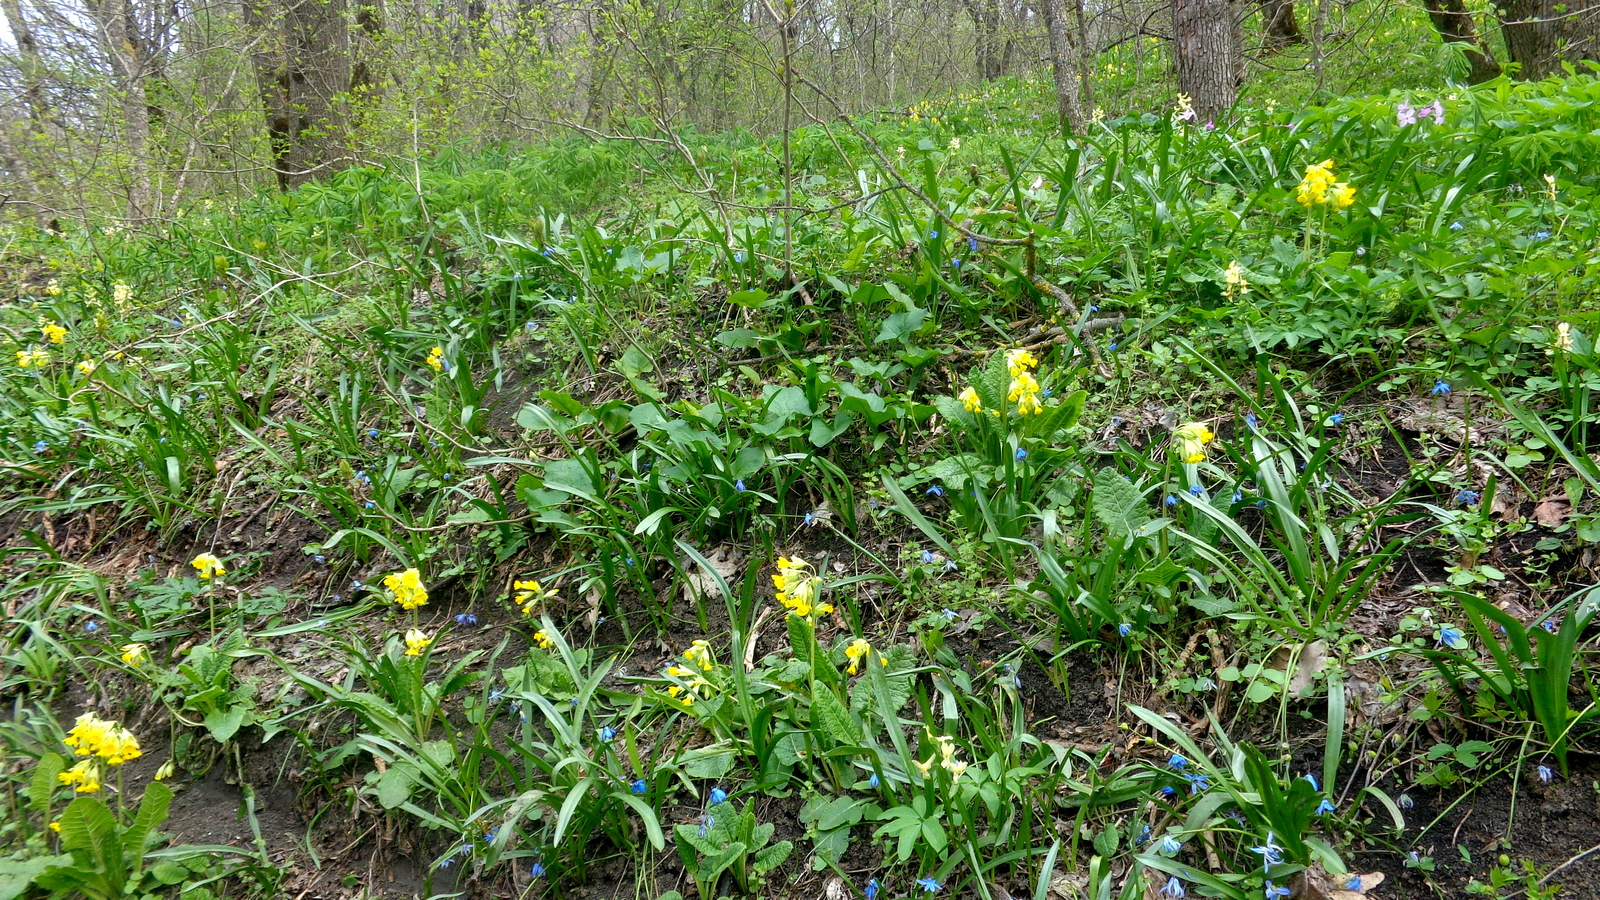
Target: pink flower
x,y
1438,112
1405,114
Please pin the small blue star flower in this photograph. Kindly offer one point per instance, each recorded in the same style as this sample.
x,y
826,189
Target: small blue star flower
x,y
933,234
1168,790
1354,884
1144,836
929,886
1170,845
873,781
538,870
320,560
1541,235
1451,638
608,734
1271,853
1313,780
955,263
638,786
935,491
1113,346
40,447
1196,490
739,485
372,432
870,892
1124,629
1198,783
466,619
1177,762
1251,421
1020,455
718,796
370,505
1455,226
91,627
810,519
738,257
1238,495
972,244
1468,498
1405,802
927,557
1171,501
1440,388
1545,774
1274,891
447,862
707,822
950,565
1336,418
1173,888
1324,808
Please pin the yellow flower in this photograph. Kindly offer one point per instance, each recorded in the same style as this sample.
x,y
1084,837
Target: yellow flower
x,y
53,288
530,594
1019,361
134,654
93,736
84,777
1233,278
955,767
1563,339
86,367
209,566
924,766
1190,441
1314,187
56,826
121,294
969,399
417,641
858,649
54,333
699,654
36,358
543,640
1341,195
435,359
1025,393
166,770
407,589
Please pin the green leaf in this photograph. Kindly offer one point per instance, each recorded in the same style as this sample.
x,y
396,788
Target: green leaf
x,y
1118,504
225,723
394,787
17,875
89,833
46,777
832,719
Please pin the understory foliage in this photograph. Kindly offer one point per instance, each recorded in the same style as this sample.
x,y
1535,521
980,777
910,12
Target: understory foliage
x,y
823,511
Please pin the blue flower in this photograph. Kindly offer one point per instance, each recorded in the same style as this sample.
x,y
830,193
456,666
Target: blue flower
x,y
608,734
1468,498
1271,853
40,447
1455,226
1450,637
638,786
950,565
91,626
370,505
1541,235
972,244
933,235
1171,500
447,862
1261,504
929,886
1324,808
1020,455
739,485
362,477
1440,388
1196,490
1170,845
738,257
319,559
1124,629
1144,836
1173,888
1177,762
495,695
1113,346
538,870
955,263
707,822
372,432
1168,790
1198,783
810,519
490,835
1354,884
628,561
718,796
871,890
1273,891
1336,419
1405,801
466,619
873,781
935,491
1238,495
1545,774
927,557
1313,780
1251,421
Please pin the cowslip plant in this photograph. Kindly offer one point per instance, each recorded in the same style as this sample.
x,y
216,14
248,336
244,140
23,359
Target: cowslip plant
x,y
727,839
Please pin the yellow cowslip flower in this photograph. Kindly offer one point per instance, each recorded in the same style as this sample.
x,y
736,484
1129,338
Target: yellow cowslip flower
x,y
86,367
955,767
121,294
530,594
1019,361
407,589
1341,195
1190,440
134,654
699,654
56,826
166,770
417,641
84,777
93,736
53,288
435,359
924,766
857,651
969,399
54,333
38,358
1025,393
1314,186
1234,281
1563,339
209,566
677,671
542,638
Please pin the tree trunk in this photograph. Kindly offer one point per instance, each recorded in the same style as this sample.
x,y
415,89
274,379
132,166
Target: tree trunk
x,y
1064,65
121,42
31,67
986,23
1205,55
1087,49
302,63
1454,23
1542,34
1279,24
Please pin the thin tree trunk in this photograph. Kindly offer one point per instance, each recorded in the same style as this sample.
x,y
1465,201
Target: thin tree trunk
x,y
1279,24
1205,55
1064,65
32,68
115,19
1454,23
1086,52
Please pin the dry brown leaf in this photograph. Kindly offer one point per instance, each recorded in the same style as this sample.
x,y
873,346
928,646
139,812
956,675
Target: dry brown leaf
x,y
1552,511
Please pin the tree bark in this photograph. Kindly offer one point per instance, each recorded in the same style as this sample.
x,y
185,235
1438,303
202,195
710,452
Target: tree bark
x,y
120,40
1064,65
1454,23
1205,55
32,68
302,64
986,22
1279,24
1542,34
1086,52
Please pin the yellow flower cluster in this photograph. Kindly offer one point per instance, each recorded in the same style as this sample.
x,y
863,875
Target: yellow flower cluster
x,y
54,333
1190,440
121,294
407,589
688,683
857,651
93,736
1024,387
435,359
798,588
1563,339
1234,281
699,654
83,777
134,654
209,566
1318,187
33,358
542,638
530,594
53,288
417,641
947,760
1020,361
969,399
86,367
